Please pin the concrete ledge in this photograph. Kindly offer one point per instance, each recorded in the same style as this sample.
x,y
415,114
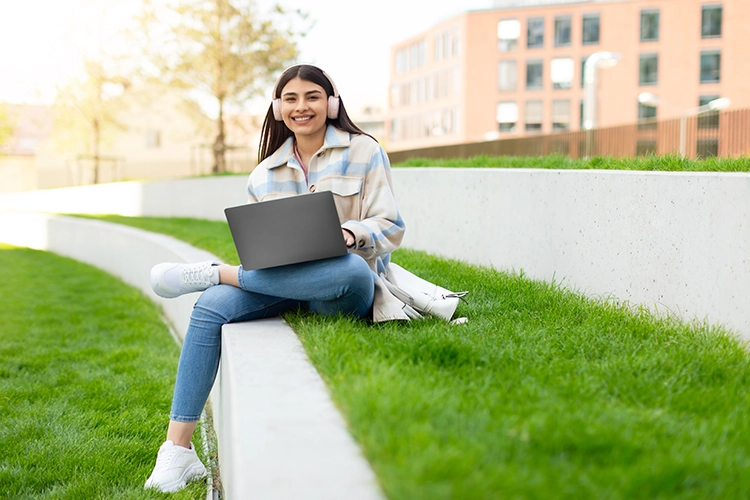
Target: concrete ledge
x,y
279,434
674,242
284,437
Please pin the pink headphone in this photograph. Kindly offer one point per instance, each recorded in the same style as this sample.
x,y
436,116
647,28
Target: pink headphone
x,y
333,100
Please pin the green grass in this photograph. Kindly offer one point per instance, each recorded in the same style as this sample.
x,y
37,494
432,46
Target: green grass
x,y
543,394
654,163
86,375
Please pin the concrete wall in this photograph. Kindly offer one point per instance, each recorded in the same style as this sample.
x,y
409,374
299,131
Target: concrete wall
x,y
674,242
204,198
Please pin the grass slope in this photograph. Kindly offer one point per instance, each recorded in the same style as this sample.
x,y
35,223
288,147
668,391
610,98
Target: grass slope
x,y
653,163
544,394
86,375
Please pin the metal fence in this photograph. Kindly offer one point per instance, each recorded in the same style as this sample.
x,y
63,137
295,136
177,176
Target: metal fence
x,y
720,133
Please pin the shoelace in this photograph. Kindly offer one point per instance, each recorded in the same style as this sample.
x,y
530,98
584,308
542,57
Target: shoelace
x,y
163,459
194,276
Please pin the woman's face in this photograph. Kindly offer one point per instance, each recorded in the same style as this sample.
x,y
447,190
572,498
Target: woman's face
x,y
304,108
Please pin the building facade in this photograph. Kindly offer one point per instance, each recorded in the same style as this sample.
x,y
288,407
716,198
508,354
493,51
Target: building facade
x,y
517,69
158,135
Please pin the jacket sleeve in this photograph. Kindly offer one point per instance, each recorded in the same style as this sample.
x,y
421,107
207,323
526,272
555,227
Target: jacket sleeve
x,y
381,228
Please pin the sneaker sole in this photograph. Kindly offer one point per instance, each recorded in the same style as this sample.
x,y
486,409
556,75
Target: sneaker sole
x,y
192,473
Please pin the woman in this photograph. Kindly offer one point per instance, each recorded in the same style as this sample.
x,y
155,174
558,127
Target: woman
x,y
308,143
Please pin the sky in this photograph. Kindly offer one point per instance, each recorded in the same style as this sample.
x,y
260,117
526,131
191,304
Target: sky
x,y
41,41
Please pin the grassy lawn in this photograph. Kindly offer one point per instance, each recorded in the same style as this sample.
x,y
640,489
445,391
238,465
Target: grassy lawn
x,y
544,394
656,163
86,375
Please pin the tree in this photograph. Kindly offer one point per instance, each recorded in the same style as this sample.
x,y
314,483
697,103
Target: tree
x,y
86,112
221,49
6,129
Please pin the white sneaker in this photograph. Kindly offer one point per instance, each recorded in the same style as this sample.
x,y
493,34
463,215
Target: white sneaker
x,y
170,279
175,467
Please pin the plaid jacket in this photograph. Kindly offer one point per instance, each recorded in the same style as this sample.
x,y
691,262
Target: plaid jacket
x,y
356,169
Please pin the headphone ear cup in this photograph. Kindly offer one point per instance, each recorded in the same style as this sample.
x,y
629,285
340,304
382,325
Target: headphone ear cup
x,y
333,107
276,105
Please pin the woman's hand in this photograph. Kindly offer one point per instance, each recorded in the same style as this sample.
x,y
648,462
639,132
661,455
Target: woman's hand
x,y
348,237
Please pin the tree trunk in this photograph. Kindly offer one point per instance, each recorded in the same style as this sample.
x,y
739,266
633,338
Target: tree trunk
x,y
96,140
219,145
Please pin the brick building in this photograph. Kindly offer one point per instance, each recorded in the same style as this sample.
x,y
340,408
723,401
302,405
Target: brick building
x,y
517,69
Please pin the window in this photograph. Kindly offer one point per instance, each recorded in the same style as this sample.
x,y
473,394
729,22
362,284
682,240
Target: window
x,y
580,118
535,32
646,112
153,139
534,74
508,31
394,130
449,121
413,93
507,76
645,147
534,114
711,21
395,96
711,118
707,147
507,116
649,69
649,25
590,34
560,115
411,57
447,44
583,67
561,72
710,66
562,31
646,115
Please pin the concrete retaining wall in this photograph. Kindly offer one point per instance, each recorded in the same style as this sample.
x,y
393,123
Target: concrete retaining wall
x,y
279,433
674,242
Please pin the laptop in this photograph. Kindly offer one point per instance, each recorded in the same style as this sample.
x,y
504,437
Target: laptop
x,y
286,230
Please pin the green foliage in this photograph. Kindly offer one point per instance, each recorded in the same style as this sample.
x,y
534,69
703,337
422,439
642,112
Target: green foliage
x,y
86,374
543,394
6,128
654,163
220,48
86,113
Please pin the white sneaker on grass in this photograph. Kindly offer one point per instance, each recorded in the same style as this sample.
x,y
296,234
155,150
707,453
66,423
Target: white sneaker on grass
x,y
170,279
175,467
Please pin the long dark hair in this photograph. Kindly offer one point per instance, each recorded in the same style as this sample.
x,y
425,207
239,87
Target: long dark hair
x,y
274,133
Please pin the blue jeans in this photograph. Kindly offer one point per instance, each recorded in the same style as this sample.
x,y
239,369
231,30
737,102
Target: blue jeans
x,y
330,286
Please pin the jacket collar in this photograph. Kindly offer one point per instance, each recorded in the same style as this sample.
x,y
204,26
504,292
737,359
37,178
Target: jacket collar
x,y
334,138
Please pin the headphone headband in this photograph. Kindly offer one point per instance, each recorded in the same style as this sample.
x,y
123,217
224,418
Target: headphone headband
x,y
278,80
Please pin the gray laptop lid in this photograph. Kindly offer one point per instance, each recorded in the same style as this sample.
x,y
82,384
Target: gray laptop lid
x,y
286,231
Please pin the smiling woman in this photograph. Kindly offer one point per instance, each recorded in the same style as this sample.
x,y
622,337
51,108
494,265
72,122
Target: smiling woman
x,y
308,144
